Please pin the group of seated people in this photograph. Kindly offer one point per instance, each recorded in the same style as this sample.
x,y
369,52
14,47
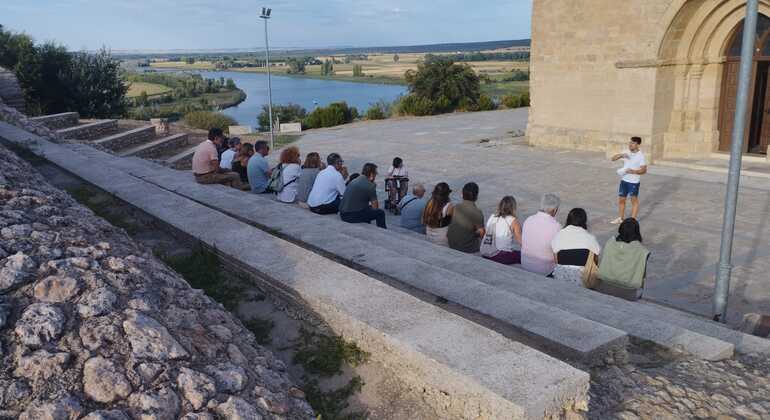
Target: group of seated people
x,y
570,253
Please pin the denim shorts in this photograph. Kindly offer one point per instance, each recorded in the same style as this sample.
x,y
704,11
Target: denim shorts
x,y
628,188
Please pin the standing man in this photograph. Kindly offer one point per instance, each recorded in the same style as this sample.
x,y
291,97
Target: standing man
x,y
359,202
634,166
258,169
329,187
205,163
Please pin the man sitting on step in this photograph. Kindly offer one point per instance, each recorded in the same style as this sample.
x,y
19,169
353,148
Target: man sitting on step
x,y
205,163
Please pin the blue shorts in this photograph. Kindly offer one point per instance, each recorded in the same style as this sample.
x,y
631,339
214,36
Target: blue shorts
x,y
628,188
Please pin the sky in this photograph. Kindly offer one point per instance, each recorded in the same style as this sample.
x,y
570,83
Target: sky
x,y
225,24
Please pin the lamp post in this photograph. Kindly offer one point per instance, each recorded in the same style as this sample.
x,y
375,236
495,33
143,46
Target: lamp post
x,y
266,15
722,289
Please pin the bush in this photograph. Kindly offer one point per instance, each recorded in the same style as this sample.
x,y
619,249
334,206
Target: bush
x,y
439,85
335,114
525,99
284,113
205,120
512,101
485,104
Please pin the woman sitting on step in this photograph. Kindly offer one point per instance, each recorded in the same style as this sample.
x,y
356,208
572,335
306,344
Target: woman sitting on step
x,y
502,229
573,246
623,265
437,215
241,161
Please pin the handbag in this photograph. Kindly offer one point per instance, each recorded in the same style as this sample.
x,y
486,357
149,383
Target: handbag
x,y
591,272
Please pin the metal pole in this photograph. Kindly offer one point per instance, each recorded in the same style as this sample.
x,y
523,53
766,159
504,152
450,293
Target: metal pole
x,y
269,88
722,289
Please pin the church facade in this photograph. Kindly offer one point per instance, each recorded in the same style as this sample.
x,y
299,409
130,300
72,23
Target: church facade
x,y
664,70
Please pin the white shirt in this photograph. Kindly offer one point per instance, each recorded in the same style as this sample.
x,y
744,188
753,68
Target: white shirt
x,y
503,232
574,237
635,161
402,171
227,159
290,175
328,185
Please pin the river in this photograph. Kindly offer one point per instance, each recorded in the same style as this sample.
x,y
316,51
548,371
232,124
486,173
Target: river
x,y
306,92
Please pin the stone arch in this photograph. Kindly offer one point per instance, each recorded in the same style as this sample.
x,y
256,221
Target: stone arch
x,y
690,60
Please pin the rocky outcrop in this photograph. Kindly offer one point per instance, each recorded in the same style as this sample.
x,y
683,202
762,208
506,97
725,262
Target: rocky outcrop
x,y
94,327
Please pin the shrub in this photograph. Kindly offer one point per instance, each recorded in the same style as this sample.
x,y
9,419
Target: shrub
x,y
525,99
284,113
205,120
337,113
439,85
512,101
485,104
379,110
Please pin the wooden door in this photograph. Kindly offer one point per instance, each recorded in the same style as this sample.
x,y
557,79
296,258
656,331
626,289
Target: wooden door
x,y
727,104
760,144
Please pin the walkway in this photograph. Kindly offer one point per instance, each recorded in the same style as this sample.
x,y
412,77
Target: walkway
x,y
681,215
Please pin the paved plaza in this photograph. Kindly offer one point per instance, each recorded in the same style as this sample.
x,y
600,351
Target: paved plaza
x,y
681,214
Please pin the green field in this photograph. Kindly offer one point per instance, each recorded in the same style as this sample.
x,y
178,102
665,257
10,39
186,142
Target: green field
x,y
152,89
500,89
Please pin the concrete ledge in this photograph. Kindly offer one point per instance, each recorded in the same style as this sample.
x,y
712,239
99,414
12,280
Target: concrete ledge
x,y
181,157
461,369
89,131
157,147
127,138
58,121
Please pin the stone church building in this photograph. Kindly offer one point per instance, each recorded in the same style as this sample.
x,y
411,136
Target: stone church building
x,y
665,70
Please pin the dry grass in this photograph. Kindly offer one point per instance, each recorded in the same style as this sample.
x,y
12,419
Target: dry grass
x,y
152,89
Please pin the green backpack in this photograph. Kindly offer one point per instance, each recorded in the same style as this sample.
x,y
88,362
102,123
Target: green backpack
x,y
275,184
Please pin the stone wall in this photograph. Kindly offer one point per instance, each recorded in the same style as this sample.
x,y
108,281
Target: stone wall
x,y
128,139
91,325
58,121
91,130
13,116
10,91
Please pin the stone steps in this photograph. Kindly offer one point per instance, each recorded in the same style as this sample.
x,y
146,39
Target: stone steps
x,y
58,121
89,131
127,139
180,157
157,147
459,366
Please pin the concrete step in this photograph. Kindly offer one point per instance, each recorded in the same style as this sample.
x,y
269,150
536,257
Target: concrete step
x,y
155,148
89,131
181,157
127,139
460,366
58,121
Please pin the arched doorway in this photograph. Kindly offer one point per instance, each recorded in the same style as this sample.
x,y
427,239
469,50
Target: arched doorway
x,y
757,136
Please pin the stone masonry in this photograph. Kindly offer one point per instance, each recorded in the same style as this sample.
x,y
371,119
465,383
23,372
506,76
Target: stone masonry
x,y
91,325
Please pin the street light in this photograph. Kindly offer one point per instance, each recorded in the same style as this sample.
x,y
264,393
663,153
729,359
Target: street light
x,y
722,289
266,15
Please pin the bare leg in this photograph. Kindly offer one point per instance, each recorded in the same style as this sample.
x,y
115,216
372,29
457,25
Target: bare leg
x,y
622,207
634,207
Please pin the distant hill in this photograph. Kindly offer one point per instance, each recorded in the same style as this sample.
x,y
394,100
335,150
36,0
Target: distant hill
x,y
429,48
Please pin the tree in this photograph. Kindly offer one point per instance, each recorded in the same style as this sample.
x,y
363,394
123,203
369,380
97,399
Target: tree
x,y
284,113
189,60
440,85
230,84
12,46
358,70
396,58
296,66
327,68
95,85
142,99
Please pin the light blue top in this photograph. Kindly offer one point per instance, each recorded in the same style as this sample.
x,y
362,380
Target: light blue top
x,y
411,213
257,171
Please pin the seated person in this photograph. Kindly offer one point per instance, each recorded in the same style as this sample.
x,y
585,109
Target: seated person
x,y
396,184
290,172
329,186
241,161
359,203
623,264
411,208
226,161
537,232
572,246
467,227
258,169
310,169
205,163
438,214
502,229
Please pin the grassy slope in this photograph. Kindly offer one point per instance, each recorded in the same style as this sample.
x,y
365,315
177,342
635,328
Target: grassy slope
x,y
152,89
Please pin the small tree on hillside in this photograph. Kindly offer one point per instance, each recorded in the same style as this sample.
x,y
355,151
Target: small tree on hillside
x,y
442,85
358,70
296,66
396,58
95,84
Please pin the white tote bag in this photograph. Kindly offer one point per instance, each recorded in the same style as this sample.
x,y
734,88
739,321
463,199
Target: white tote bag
x,y
489,242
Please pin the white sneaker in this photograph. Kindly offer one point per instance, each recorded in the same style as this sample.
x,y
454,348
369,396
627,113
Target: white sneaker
x,y
616,221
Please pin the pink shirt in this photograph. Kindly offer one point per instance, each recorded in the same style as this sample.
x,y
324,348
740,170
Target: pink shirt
x,y
537,233
204,154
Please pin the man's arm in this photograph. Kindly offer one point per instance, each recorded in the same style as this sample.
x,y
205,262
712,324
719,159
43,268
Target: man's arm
x,y
619,156
641,171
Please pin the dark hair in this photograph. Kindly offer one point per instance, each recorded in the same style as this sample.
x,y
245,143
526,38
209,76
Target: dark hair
x,y
352,177
246,150
369,169
333,158
507,207
215,132
397,162
260,145
233,141
471,191
629,231
312,160
431,216
577,217
637,140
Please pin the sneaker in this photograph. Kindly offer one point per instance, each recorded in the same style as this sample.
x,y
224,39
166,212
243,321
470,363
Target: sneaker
x,y
616,221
